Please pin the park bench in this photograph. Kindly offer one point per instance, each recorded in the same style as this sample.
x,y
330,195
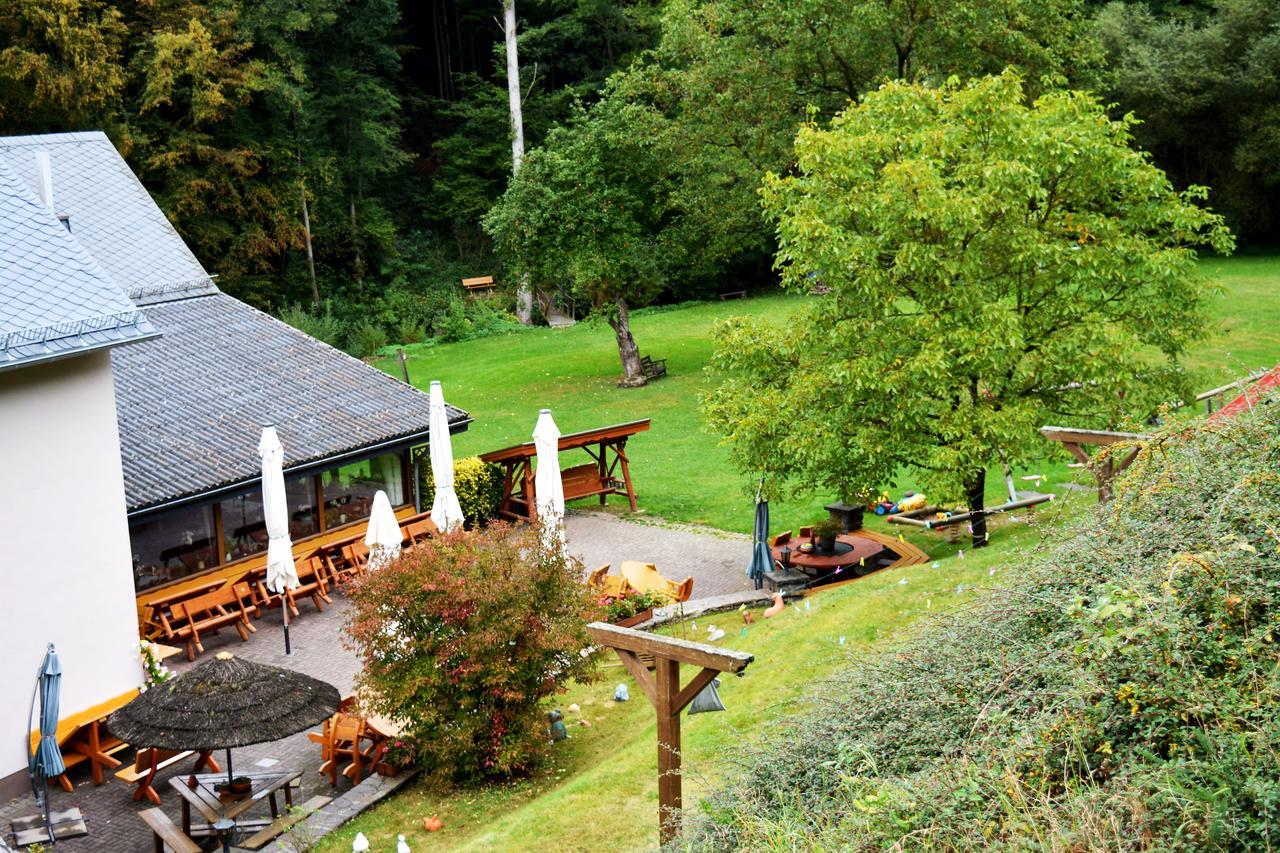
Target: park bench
x,y
479,284
148,762
312,581
582,481
230,605
733,294
653,368
167,835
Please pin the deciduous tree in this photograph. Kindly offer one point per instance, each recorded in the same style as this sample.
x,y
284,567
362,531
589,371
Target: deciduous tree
x,y
992,264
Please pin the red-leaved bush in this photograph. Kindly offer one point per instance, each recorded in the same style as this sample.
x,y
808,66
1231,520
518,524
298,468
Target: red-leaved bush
x,y
462,637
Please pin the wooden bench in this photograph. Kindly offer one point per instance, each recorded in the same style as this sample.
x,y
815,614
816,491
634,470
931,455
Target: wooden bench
x,y
653,368
167,835
418,530
228,606
479,284
582,481
733,294
282,824
81,737
148,762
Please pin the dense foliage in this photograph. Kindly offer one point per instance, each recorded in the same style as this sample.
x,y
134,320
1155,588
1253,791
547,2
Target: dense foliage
x,y
1119,693
991,265
462,637
477,483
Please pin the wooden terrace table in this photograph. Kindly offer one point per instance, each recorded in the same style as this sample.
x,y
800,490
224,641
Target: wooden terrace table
x,y
211,805
852,550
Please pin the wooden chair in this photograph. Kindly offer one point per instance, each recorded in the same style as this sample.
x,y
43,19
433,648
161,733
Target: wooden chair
x,y
646,578
313,573
148,762
653,368
607,584
167,835
418,530
344,736
781,539
229,605
806,533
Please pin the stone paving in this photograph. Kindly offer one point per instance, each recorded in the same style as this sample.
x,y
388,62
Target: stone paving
x,y
716,561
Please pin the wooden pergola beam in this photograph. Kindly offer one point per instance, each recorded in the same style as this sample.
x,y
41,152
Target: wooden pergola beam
x,y
1106,470
668,698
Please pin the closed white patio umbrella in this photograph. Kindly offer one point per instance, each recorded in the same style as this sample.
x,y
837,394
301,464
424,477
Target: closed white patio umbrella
x,y
547,485
383,536
282,574
446,512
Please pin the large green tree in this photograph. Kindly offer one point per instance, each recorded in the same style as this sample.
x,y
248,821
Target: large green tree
x,y
586,210
992,264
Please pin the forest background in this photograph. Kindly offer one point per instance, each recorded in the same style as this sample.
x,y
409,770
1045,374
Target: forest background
x,y
381,129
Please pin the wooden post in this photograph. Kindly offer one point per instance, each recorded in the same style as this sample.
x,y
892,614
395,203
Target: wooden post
x,y
1106,470
668,699
621,449
404,366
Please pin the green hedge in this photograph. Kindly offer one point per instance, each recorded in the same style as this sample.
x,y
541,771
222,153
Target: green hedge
x,y
1119,693
478,484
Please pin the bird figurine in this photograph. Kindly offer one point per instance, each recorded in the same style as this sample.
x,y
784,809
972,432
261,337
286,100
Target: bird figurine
x,y
574,709
775,608
360,844
401,847
432,824
714,633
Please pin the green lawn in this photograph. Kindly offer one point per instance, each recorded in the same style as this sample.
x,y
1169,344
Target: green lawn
x,y
601,790
680,470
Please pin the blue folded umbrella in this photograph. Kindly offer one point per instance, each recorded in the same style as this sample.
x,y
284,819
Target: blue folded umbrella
x,y
761,556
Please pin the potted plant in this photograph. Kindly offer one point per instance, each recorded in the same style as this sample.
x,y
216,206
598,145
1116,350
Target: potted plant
x,y
825,533
398,755
629,609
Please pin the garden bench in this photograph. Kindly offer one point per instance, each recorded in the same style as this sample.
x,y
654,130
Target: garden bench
x,y
479,284
208,612
733,294
167,835
418,529
81,737
653,368
583,481
352,562
282,824
645,577
312,581
148,762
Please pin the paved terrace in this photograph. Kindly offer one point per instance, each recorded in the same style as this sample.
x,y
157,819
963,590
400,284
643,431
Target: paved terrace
x,y
716,561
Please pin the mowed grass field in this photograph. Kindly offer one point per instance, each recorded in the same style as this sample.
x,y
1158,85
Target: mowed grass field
x,y
681,471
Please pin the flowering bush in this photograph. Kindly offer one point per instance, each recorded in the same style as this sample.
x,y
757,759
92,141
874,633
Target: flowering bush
x,y
152,667
615,608
463,637
400,753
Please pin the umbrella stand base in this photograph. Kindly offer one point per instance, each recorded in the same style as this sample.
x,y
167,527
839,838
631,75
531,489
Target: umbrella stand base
x,y
31,830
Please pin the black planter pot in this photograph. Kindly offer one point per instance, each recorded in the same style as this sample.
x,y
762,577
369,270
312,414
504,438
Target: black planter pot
x,y
850,517
826,544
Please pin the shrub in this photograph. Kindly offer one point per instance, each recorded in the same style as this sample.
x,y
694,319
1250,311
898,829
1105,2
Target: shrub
x,y
322,326
366,339
478,484
1119,693
462,637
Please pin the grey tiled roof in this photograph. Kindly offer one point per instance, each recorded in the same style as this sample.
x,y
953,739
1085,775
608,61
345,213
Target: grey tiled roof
x,y
55,299
112,214
192,404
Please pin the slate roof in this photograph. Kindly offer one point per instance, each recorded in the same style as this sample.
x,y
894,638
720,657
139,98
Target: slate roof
x,y
191,403
55,300
112,214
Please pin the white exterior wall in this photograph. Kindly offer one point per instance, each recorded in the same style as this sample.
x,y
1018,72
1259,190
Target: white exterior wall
x,y
66,573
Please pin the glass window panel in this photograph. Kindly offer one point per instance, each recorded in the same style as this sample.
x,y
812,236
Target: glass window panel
x,y
301,495
172,544
349,489
244,531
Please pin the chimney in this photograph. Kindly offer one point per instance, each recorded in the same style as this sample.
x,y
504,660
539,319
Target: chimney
x,y
44,186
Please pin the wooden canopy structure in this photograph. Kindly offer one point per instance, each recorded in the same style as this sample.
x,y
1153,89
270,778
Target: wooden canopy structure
x,y
668,698
1105,469
609,472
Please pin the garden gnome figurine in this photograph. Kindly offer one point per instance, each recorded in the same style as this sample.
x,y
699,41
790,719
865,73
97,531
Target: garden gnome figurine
x,y
558,730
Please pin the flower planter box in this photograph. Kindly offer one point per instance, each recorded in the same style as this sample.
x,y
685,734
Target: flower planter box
x,y
632,621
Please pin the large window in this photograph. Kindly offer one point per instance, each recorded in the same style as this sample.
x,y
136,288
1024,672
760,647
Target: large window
x,y
349,489
173,544
244,530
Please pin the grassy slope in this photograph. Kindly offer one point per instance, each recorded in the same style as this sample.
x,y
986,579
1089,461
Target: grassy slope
x,y
602,790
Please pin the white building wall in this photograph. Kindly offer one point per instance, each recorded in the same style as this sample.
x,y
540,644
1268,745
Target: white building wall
x,y
66,574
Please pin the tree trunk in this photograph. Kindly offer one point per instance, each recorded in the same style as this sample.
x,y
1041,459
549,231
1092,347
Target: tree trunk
x,y
355,244
628,352
306,220
975,494
524,294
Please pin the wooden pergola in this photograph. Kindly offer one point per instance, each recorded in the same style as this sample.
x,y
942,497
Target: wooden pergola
x,y
1105,469
609,472
668,697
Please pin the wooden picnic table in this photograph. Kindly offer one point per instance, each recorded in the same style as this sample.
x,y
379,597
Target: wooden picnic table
x,y
82,737
211,805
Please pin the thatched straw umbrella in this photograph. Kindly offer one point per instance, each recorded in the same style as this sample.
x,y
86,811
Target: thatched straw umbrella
x,y
223,703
